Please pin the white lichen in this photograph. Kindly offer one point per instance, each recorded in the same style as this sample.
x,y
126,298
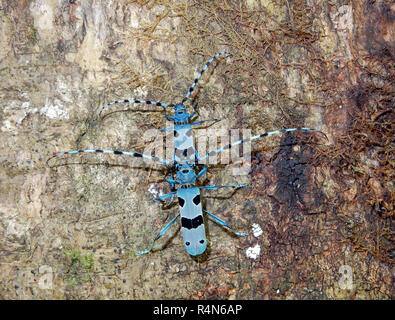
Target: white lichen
x,y
54,111
253,252
154,190
256,230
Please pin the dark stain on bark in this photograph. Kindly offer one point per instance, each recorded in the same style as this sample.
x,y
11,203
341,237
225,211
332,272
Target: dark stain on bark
x,y
296,191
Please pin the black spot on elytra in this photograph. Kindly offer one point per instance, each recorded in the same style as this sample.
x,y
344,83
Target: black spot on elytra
x,y
181,202
196,200
197,221
186,223
192,223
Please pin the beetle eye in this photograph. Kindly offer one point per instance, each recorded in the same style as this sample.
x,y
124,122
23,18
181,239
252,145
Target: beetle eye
x,y
185,171
187,243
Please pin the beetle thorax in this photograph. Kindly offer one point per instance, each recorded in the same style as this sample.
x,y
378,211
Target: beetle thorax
x,y
186,174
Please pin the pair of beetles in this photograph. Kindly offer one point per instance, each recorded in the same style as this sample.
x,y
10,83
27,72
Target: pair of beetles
x,y
184,160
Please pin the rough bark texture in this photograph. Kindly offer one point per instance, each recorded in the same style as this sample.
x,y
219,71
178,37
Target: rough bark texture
x,y
71,229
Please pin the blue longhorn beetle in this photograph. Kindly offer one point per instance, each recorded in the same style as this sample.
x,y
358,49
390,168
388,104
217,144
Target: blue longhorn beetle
x,y
191,212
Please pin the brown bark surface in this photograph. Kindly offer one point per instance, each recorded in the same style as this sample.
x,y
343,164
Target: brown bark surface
x,y
71,229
